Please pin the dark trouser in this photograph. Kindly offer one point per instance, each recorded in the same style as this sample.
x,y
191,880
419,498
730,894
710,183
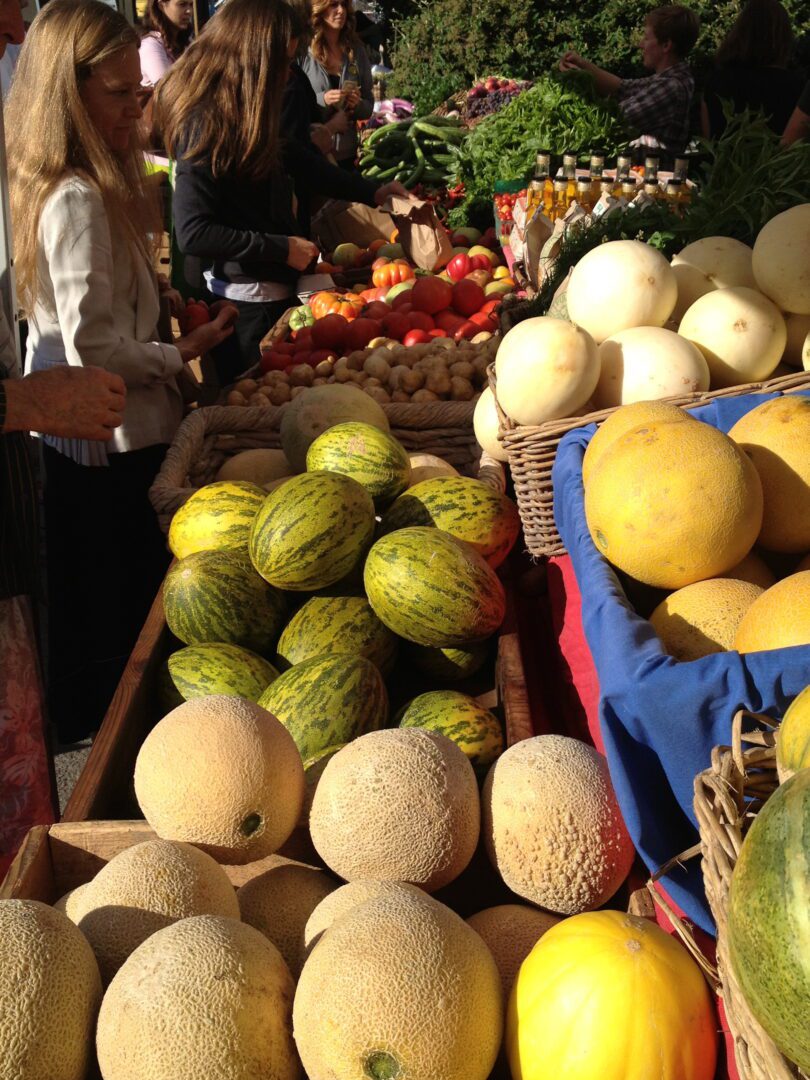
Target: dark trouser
x,y
241,350
106,557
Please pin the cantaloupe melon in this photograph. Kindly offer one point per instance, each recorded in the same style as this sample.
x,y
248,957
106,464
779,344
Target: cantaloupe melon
x,y
144,888
70,903
426,466
703,618
260,467
401,805
776,437
222,773
321,407
715,262
793,738
510,932
552,825
399,987
671,504
646,363
485,425
780,263
206,997
623,420
50,991
280,901
346,899
779,618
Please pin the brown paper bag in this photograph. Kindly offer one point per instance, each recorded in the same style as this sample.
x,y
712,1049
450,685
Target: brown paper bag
x,y
342,222
422,236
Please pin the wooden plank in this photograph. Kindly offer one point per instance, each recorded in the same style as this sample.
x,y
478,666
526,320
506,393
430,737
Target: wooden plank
x,y
30,876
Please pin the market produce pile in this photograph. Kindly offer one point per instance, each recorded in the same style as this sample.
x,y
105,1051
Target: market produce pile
x,y
491,95
425,150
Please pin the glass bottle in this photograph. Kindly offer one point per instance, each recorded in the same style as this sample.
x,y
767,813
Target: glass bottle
x,y
628,188
651,167
561,202
651,187
535,196
584,195
569,168
596,169
680,170
623,163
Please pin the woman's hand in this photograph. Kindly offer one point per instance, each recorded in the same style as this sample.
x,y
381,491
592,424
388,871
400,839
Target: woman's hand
x,y
206,337
382,194
220,306
352,100
333,97
301,253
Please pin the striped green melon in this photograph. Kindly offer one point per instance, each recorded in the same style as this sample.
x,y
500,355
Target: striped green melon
x,y
338,624
327,701
465,508
435,590
370,456
217,517
312,532
218,596
769,918
793,738
322,407
220,668
448,665
474,729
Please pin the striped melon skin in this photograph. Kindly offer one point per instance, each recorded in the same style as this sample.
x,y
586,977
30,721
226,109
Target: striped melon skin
x,y
220,668
217,517
474,729
338,624
217,596
432,589
465,508
768,928
327,701
449,665
371,457
312,531
793,739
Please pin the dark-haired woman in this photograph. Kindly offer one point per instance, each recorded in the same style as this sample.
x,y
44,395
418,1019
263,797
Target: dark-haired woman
x,y
753,69
168,26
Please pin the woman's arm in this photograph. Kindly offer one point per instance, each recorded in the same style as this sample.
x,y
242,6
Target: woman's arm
x,y
78,249
155,60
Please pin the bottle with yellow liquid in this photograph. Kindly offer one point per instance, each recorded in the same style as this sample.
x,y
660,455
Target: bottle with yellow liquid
x,y
623,163
596,169
628,188
569,170
584,195
536,193
651,162
651,188
561,201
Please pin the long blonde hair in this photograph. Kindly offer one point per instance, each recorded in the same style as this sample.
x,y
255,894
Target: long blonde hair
x,y
50,133
221,101
348,39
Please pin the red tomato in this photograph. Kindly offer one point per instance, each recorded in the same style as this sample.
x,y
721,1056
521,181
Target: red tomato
x,y
467,330
449,320
377,309
273,361
401,298
431,294
304,334
480,262
405,308
302,345
485,321
360,333
416,337
459,266
420,320
196,314
468,297
396,325
303,357
490,306
438,333
330,332
284,347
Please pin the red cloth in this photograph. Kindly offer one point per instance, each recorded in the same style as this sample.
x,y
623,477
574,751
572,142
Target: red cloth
x,y
569,669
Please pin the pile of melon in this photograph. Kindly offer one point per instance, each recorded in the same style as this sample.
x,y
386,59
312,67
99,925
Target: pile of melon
x,y
719,523
720,314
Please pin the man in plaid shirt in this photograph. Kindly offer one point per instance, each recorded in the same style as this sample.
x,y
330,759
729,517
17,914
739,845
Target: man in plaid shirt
x,y
656,106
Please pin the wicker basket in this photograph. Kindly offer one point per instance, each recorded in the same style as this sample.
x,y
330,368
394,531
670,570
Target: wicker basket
x,y
727,798
531,452
207,437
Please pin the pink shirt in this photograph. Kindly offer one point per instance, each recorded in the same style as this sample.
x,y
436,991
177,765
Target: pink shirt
x,y
155,59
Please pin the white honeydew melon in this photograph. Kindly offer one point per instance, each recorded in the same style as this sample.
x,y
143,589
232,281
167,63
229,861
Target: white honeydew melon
x,y
648,363
618,285
739,331
782,260
257,466
277,483
797,350
547,368
321,407
716,262
485,425
427,467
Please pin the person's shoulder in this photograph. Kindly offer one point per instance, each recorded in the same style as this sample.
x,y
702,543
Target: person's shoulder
x,y
73,193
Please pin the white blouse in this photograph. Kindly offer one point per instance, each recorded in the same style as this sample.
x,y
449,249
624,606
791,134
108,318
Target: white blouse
x,y
98,304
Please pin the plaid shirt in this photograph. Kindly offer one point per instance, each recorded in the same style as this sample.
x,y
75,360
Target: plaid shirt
x,y
658,106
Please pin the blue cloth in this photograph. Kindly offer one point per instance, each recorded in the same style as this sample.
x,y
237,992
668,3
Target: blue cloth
x,y
660,718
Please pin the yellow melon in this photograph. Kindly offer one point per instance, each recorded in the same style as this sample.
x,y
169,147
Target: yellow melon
x,y
50,991
552,826
793,738
205,997
428,466
671,504
624,419
70,903
399,987
776,436
510,932
399,805
779,618
280,901
144,888
346,899
753,569
260,467
701,619
222,773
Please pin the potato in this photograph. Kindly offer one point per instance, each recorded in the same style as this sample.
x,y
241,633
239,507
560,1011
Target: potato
x,y
461,389
424,395
480,363
371,381
378,394
236,398
377,366
438,382
246,387
320,381
443,343
324,369
400,395
463,369
396,375
296,390
479,339
412,381
259,401
358,377
302,375
343,373
280,393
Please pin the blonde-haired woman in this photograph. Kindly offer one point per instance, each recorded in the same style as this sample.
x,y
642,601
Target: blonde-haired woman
x,y
83,253
339,71
219,111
